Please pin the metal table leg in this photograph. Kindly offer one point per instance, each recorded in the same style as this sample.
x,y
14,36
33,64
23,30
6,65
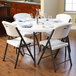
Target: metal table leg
x,y
40,40
40,36
34,50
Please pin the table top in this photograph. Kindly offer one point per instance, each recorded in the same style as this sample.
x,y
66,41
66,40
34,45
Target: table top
x,y
43,25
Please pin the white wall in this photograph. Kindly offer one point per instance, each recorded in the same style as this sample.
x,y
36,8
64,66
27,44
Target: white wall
x,y
61,10
37,1
49,7
61,6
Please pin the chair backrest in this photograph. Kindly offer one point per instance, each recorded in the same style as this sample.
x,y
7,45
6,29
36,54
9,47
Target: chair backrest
x,y
10,29
62,31
21,16
64,17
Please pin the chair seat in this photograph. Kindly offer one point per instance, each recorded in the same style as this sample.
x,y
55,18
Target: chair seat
x,y
55,44
16,42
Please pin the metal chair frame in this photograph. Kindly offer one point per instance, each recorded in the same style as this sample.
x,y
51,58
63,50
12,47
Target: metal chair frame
x,y
51,54
19,48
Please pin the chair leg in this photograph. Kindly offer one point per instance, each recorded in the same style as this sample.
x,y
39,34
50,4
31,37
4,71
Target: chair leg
x,y
56,53
23,50
42,55
40,40
37,40
53,60
52,57
17,58
69,51
16,50
5,52
65,53
21,53
58,50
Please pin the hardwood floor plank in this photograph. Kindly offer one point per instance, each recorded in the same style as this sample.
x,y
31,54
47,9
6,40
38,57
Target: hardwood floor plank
x,y
25,65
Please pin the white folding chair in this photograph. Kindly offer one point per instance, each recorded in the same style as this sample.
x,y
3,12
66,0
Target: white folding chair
x,y
17,42
24,17
53,42
64,17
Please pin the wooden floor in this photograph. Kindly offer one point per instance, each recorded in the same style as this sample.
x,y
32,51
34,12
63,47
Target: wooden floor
x,y
25,65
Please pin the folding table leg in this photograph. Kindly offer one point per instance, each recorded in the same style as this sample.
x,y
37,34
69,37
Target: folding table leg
x,y
40,40
40,36
37,40
5,52
34,51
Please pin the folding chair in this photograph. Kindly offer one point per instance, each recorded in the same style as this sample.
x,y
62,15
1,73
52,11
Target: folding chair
x,y
65,18
17,42
53,42
21,17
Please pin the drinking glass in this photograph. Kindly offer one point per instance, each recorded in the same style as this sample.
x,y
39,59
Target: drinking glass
x,y
49,17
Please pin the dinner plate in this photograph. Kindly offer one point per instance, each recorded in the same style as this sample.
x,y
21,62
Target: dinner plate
x,y
26,26
25,19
